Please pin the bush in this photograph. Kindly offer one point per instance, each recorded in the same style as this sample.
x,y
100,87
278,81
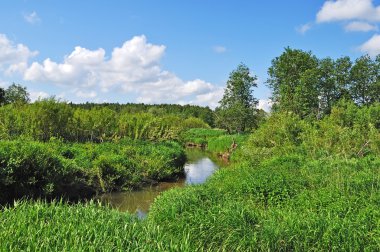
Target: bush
x,y
56,169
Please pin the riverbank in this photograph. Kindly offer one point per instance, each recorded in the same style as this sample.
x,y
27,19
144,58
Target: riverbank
x,y
199,166
75,171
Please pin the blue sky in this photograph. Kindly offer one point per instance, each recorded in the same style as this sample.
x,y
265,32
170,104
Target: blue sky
x,y
169,51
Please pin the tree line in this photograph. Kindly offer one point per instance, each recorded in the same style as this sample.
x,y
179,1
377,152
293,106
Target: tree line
x,y
309,87
49,118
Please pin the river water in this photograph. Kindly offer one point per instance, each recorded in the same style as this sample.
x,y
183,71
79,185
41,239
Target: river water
x,y
198,168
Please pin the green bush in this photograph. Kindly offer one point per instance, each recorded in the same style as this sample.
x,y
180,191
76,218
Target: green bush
x,y
56,169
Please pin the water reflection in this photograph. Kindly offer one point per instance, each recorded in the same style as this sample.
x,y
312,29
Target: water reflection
x,y
197,169
198,172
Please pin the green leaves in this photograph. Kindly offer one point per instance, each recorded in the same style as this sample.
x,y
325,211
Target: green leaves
x,y
237,109
310,87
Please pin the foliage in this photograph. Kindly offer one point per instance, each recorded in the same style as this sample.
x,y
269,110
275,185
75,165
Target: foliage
x,y
237,109
309,87
2,96
158,110
55,169
16,93
53,118
293,80
200,136
365,85
349,131
57,226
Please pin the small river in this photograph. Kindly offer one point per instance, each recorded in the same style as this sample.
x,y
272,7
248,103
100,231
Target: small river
x,y
198,168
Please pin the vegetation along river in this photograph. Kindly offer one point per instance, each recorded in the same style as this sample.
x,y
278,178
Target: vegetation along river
x,y
199,166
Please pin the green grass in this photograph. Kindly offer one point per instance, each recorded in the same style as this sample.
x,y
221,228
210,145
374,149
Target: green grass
x,y
56,169
56,226
200,135
223,143
287,203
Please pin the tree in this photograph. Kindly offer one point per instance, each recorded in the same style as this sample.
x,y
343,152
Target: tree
x,y
342,75
237,109
16,93
293,78
327,86
364,81
2,96
376,87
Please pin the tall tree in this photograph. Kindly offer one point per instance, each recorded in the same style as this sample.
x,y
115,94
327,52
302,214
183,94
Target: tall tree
x,y
237,109
364,77
327,86
16,93
343,67
293,78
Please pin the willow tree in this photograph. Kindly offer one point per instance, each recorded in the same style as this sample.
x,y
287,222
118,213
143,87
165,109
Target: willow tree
x,y
237,109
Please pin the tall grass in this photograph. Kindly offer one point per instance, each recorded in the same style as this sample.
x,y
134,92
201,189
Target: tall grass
x,y
56,226
57,169
287,203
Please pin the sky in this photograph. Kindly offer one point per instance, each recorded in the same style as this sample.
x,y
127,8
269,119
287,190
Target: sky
x,y
169,51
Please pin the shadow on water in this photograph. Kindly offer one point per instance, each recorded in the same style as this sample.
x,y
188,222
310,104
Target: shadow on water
x,y
198,168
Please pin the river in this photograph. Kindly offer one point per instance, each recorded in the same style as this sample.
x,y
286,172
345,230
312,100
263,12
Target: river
x,y
198,168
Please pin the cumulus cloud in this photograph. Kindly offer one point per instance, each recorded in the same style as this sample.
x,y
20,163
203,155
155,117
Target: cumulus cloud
x,y
356,16
133,68
340,10
37,95
265,105
14,57
302,29
219,49
372,46
32,18
358,26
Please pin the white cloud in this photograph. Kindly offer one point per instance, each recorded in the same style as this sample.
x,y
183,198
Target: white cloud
x,y
302,29
357,16
83,94
13,57
340,10
32,18
3,84
210,99
34,96
358,26
134,68
372,46
219,49
265,105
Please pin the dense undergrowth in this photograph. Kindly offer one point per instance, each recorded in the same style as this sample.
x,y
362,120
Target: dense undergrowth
x,y
49,118
75,170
